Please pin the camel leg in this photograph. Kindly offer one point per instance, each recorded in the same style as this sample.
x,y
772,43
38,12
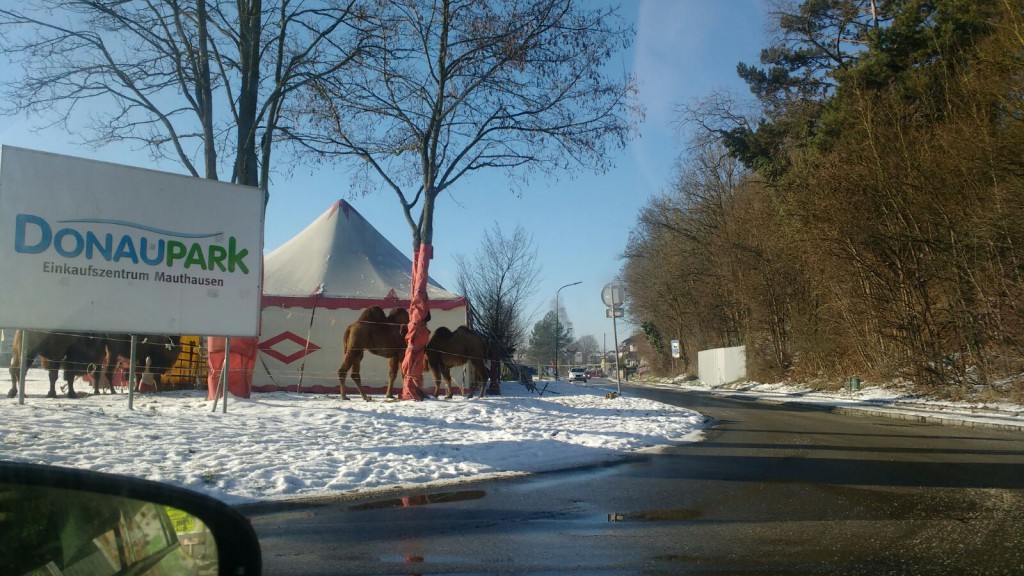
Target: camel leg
x,y
476,372
468,389
351,362
357,380
15,367
484,379
105,373
15,370
446,373
98,377
481,377
436,373
69,378
109,373
53,383
393,362
437,382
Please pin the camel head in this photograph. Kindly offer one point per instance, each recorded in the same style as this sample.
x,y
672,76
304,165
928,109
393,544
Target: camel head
x,y
400,316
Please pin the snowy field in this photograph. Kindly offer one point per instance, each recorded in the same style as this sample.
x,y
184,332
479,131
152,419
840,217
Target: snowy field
x,y
285,445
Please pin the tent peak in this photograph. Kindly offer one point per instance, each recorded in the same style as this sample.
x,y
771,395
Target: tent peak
x,y
345,208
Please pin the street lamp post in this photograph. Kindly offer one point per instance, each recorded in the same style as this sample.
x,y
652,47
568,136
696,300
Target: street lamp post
x,y
556,324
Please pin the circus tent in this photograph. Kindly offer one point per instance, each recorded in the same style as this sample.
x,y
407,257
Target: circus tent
x,y
318,283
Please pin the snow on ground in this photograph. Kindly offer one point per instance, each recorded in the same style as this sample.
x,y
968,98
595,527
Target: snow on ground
x,y
286,445
890,400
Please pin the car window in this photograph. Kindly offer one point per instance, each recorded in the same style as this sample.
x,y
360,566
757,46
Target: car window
x,y
72,536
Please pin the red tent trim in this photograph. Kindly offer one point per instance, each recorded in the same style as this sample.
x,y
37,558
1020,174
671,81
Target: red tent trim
x,y
350,303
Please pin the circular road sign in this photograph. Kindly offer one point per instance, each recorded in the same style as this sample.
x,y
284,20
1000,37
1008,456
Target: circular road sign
x,y
613,295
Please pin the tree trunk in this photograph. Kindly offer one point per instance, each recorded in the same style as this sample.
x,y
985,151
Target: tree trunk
x,y
250,20
417,336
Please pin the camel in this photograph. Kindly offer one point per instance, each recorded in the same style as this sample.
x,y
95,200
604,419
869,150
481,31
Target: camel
x,y
376,333
77,354
447,349
161,353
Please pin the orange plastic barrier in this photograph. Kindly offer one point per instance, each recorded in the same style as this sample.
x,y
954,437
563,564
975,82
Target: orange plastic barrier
x,y
240,366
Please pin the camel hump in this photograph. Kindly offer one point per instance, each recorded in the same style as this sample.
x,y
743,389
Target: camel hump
x,y
399,316
373,314
440,334
464,332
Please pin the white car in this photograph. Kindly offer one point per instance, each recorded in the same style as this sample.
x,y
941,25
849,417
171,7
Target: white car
x,y
577,373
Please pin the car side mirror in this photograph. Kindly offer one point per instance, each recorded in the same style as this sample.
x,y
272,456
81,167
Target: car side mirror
x,y
56,520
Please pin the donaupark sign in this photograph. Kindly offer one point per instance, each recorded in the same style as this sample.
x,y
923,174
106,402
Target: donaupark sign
x,y
99,247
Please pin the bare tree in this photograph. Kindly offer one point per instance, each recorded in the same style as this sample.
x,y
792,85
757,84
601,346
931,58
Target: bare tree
x,y
587,346
203,83
463,86
499,280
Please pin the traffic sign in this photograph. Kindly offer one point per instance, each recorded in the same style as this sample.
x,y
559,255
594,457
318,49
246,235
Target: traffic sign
x,y
613,295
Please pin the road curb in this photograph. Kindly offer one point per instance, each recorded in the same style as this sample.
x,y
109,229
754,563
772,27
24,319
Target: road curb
x,y
923,416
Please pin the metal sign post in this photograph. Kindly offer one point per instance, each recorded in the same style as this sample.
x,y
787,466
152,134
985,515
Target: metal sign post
x,y
132,367
22,369
614,296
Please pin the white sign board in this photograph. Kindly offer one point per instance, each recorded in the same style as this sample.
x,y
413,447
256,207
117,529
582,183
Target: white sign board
x,y
675,348
722,365
90,246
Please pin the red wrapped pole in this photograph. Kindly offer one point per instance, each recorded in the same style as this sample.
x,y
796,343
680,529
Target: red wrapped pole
x,y
417,336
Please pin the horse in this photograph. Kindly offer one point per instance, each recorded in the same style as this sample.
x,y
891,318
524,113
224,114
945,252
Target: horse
x,y
76,353
161,351
447,349
376,333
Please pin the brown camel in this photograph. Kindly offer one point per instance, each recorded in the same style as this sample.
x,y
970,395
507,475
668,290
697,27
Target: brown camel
x,y
447,349
161,351
378,334
77,354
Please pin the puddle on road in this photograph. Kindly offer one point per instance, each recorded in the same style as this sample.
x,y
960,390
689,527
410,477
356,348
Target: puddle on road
x,y
661,515
419,500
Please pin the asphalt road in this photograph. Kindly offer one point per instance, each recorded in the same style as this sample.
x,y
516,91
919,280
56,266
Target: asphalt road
x,y
772,490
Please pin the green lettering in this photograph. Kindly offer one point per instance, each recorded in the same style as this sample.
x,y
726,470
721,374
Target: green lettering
x,y
175,251
217,256
235,257
195,256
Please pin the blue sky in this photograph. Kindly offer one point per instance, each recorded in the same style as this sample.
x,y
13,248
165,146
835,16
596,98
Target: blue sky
x,y
580,222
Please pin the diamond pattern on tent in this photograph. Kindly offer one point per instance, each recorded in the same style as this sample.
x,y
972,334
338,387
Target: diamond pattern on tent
x,y
305,347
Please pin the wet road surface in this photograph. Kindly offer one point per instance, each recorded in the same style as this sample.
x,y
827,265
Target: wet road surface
x,y
772,490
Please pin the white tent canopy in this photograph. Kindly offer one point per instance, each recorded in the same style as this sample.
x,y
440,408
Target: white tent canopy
x,y
318,283
340,255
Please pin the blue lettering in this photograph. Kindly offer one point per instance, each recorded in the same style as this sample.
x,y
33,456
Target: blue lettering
x,y
92,243
126,249
76,248
152,261
20,233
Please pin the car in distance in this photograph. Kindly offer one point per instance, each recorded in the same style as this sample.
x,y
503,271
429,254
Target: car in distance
x,y
578,373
